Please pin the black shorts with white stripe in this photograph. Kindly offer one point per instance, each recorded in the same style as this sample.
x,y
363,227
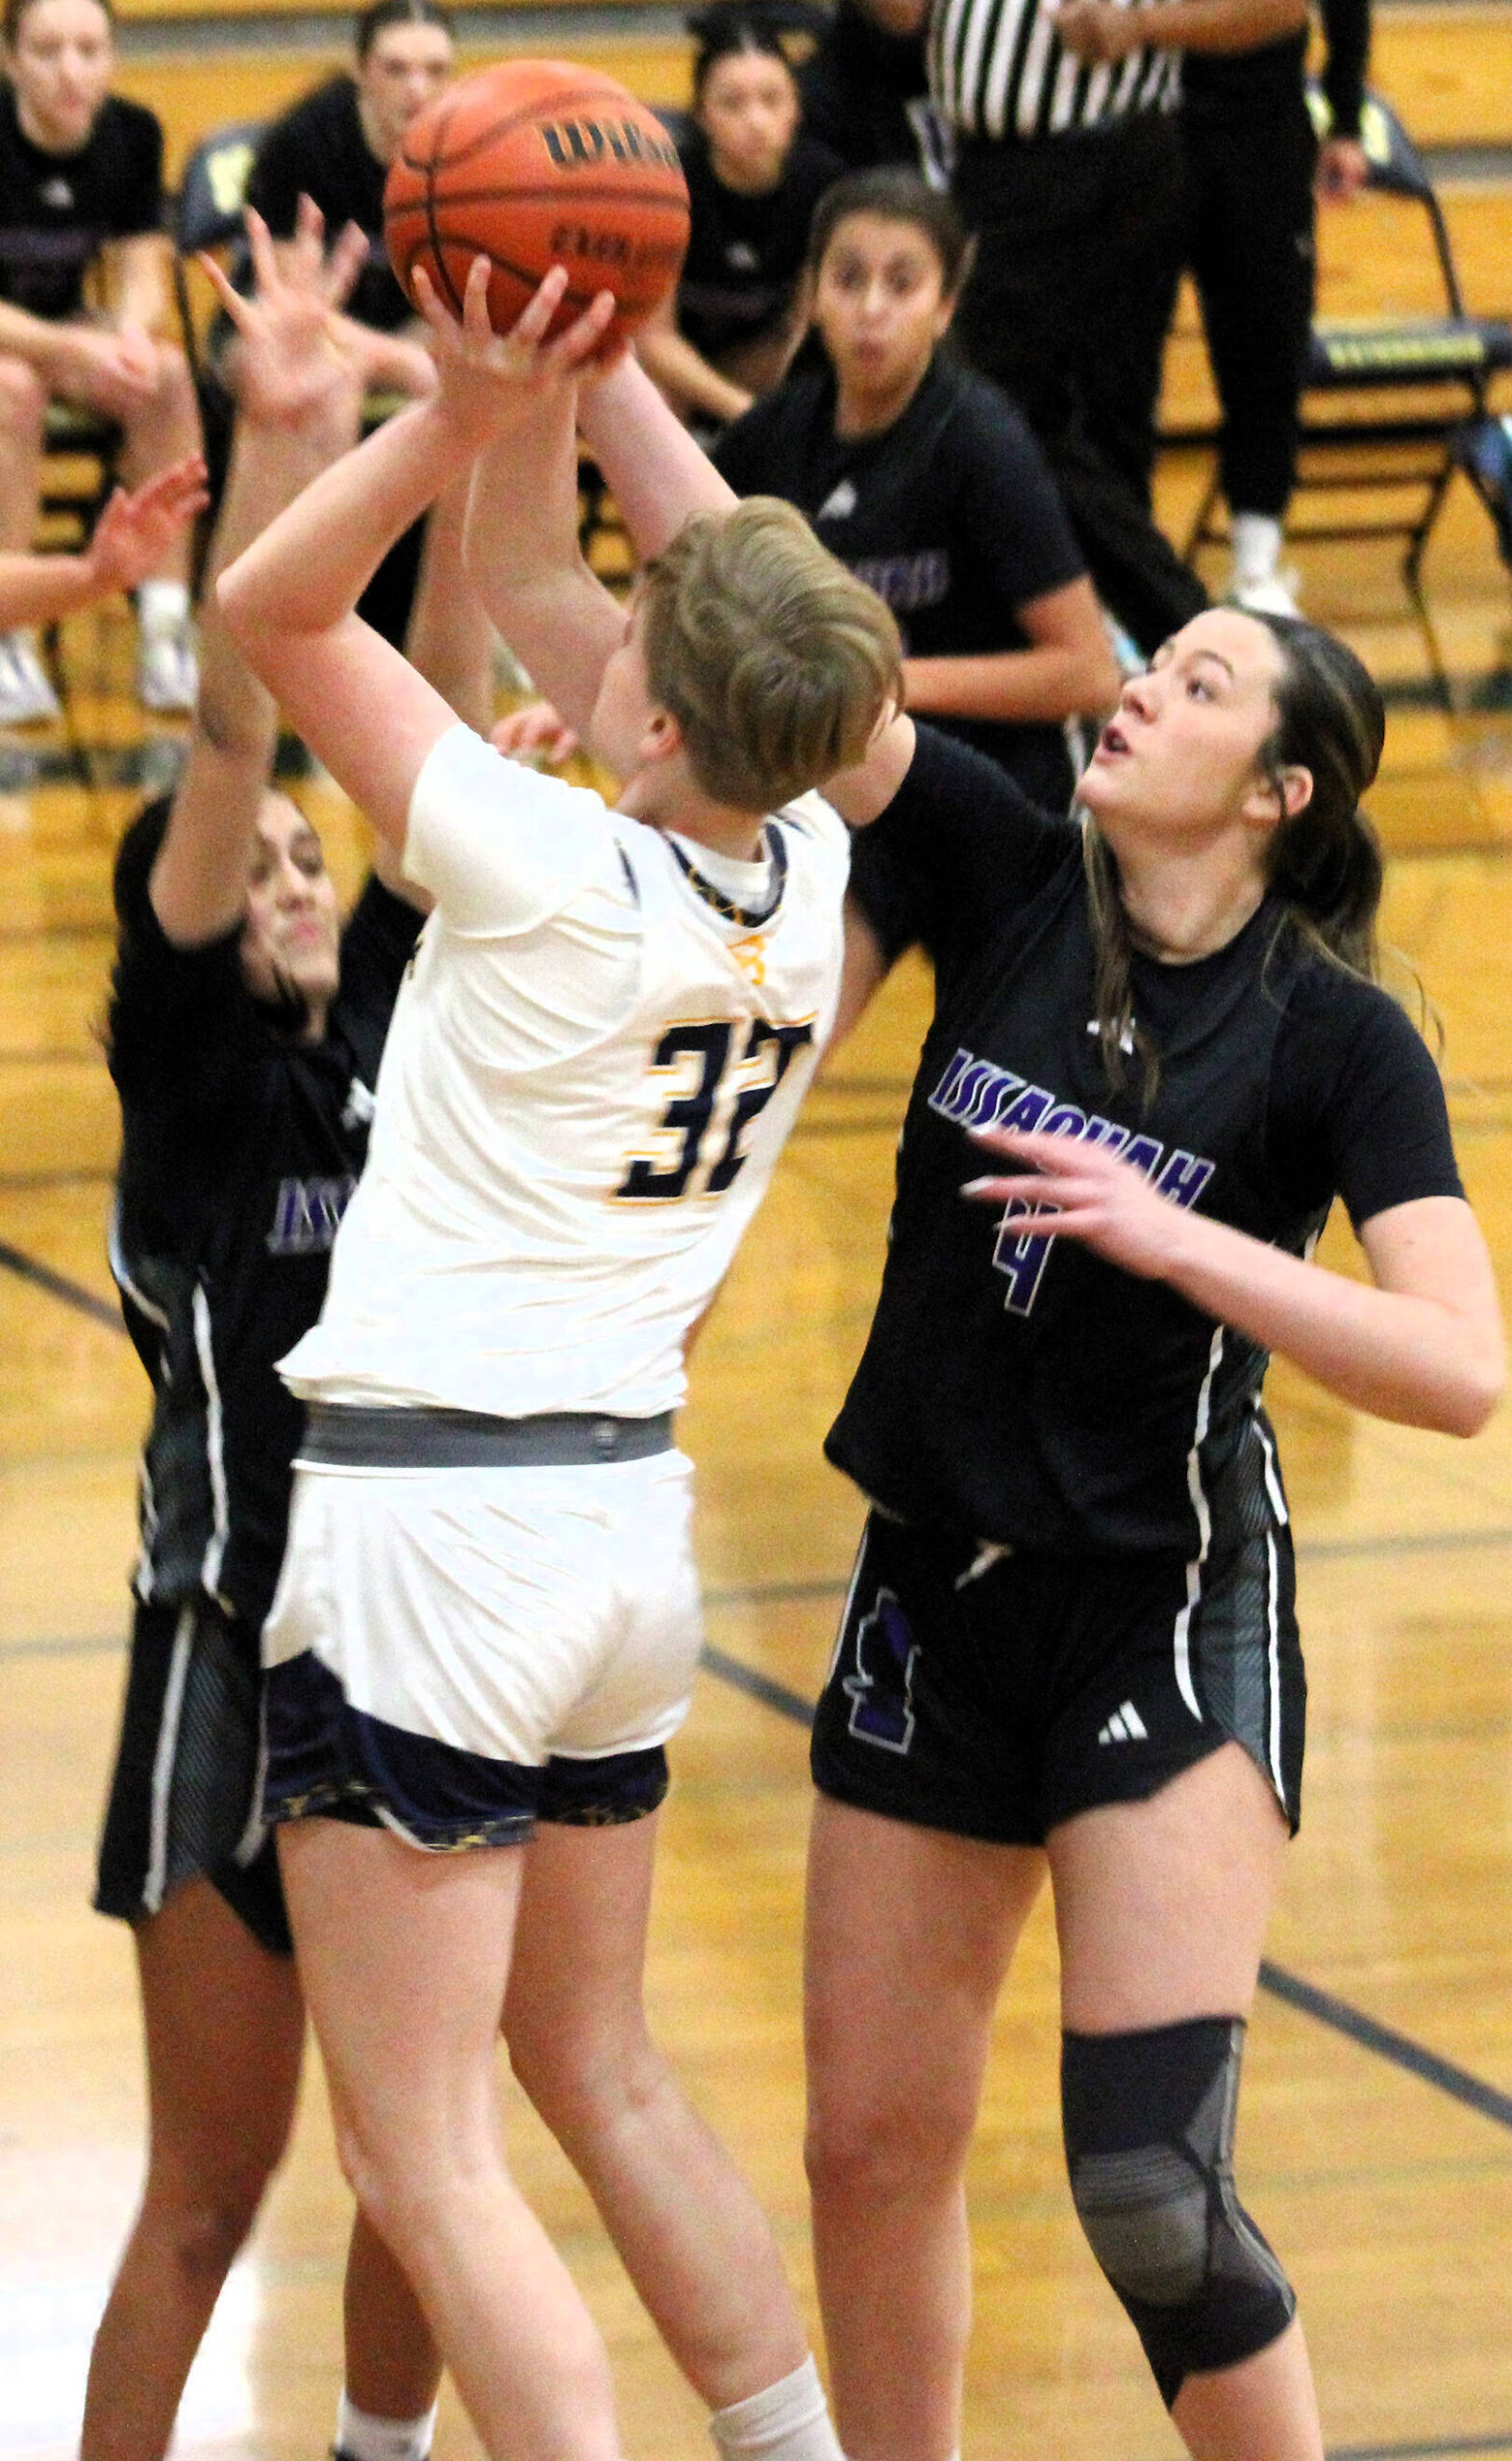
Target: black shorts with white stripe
x,y
996,1693
184,1797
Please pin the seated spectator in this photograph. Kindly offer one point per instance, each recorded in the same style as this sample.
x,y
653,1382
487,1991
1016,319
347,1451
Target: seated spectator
x,y
923,478
335,147
753,181
81,185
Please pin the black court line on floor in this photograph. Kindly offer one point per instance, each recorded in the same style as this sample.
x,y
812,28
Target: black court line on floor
x,y
1445,2451
1396,2049
67,1645
61,1285
1385,2040
779,1593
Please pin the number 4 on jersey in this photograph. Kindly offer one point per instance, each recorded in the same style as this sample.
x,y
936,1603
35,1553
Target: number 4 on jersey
x,y
699,1056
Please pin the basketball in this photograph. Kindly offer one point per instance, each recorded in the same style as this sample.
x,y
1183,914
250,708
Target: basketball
x,y
535,163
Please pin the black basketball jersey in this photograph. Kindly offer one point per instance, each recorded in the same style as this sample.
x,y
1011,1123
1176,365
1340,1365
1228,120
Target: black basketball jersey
x,y
1018,1387
950,514
58,210
241,1147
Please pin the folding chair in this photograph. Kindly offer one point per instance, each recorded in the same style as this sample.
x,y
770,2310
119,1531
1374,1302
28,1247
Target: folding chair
x,y
1416,384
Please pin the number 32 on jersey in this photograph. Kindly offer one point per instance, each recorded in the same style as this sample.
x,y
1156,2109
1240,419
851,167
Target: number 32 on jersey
x,y
713,1066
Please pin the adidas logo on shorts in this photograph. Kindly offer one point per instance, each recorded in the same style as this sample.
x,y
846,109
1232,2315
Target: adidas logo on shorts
x,y
1125,1726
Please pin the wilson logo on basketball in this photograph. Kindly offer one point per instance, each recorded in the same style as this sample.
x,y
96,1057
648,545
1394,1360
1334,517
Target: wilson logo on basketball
x,y
533,164
574,143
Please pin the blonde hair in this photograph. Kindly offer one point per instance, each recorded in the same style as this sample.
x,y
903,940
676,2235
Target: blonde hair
x,y
776,662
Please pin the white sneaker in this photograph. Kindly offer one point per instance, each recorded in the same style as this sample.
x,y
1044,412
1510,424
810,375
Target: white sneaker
x,y
167,671
26,696
1265,593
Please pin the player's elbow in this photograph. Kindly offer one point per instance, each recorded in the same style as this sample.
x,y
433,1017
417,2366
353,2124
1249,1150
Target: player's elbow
x,y
1479,1389
236,599
1471,1380
240,598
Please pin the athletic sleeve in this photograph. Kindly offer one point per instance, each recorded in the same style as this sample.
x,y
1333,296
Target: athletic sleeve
x,y
1357,1106
182,1029
501,848
1347,25
1012,502
958,848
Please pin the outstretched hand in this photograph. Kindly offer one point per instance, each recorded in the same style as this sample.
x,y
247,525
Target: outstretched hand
x,y
134,532
1072,1189
489,379
287,362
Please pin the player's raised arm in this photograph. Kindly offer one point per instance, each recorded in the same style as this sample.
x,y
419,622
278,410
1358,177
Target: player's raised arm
x,y
659,474
521,548
294,416
290,601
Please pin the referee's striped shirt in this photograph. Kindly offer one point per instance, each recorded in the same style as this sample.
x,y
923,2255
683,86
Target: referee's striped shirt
x,y
997,69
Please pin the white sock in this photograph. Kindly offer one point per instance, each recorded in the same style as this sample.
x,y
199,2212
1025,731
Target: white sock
x,y
362,2437
1256,546
163,607
789,2422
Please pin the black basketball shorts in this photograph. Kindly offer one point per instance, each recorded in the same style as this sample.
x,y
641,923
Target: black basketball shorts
x,y
995,1694
184,1797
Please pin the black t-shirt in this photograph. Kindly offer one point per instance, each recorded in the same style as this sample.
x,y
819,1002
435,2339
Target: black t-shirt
x,y
240,1150
58,210
318,150
1023,1389
951,515
746,252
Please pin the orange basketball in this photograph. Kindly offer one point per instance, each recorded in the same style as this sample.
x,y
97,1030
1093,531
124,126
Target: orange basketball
x,y
535,163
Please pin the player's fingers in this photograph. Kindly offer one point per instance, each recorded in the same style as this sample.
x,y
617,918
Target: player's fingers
x,y
260,239
530,325
437,316
1044,1151
477,323
231,299
345,262
309,225
118,505
1024,1185
583,338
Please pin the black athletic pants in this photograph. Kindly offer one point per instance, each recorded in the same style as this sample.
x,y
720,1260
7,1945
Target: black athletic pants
x,y
1067,307
1250,244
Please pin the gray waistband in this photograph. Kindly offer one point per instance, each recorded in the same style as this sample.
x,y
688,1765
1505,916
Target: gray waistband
x,y
338,1438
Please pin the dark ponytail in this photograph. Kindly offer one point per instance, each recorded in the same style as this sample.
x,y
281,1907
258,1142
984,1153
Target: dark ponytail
x,y
1324,864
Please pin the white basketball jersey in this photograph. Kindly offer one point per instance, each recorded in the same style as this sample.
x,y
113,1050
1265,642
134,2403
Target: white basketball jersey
x,y
589,1076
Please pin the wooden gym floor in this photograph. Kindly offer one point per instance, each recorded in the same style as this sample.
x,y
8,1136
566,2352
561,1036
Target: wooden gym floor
x,y
1376,2133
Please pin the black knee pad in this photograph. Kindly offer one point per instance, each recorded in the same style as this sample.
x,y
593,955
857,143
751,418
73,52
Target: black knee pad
x,y
1149,2129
